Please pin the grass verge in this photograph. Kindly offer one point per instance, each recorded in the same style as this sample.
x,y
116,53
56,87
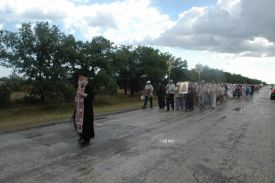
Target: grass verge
x,y
22,116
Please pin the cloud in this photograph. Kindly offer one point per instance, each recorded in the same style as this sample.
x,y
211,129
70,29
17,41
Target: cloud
x,y
242,27
121,21
13,10
125,21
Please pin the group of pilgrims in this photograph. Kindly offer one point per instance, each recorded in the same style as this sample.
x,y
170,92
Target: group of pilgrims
x,y
201,94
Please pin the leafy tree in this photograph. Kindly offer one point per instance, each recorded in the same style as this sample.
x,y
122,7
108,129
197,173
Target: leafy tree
x,y
135,66
36,53
124,64
94,58
151,65
179,70
16,82
5,93
217,75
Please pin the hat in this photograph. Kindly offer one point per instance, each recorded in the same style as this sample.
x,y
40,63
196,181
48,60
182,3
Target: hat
x,y
148,82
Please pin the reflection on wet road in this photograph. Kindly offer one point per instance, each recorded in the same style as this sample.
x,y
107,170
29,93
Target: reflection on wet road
x,y
233,143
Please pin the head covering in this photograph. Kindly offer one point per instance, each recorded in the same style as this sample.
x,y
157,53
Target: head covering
x,y
81,73
148,82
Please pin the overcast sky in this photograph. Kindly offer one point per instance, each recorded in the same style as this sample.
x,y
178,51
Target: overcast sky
x,y
234,35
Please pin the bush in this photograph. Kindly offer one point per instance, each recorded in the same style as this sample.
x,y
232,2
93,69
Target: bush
x,y
5,94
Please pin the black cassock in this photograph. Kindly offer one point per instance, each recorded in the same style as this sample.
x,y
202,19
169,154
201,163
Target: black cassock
x,y
88,116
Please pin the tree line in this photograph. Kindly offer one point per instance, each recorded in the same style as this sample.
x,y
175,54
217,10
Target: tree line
x,y
47,61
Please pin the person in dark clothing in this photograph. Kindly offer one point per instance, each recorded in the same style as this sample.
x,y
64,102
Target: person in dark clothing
x,y
161,95
189,102
84,114
252,90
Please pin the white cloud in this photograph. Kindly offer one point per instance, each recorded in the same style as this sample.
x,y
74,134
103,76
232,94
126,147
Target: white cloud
x,y
241,27
231,6
120,21
261,41
13,10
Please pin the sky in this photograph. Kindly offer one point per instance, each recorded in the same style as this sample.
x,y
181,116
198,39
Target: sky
x,y
236,36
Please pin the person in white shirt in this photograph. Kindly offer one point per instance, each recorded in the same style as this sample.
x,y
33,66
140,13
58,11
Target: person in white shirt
x,y
148,94
170,92
213,90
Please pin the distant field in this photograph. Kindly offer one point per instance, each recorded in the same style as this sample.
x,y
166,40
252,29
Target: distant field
x,y
22,116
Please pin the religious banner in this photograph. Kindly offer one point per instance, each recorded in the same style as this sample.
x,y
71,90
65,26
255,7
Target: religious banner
x,y
183,87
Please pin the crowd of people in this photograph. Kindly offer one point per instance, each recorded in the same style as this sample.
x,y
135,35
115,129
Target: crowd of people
x,y
200,94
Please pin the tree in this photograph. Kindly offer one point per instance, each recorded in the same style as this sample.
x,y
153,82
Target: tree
x,y
95,60
179,70
16,82
2,45
8,85
5,93
123,62
137,65
36,53
152,64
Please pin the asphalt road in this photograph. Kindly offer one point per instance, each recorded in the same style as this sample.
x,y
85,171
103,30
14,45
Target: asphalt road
x,y
233,143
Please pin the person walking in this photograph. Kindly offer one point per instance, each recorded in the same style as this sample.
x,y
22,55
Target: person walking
x,y
202,93
170,92
189,101
213,95
161,95
195,93
84,114
148,94
248,90
178,97
244,91
252,90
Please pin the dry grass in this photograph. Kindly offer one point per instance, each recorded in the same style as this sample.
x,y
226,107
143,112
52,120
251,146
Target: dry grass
x,y
22,116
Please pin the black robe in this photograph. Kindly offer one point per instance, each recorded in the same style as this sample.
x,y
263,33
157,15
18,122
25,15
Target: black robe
x,y
161,96
189,102
88,119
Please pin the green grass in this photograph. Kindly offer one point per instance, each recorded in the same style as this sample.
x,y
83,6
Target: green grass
x,y
21,116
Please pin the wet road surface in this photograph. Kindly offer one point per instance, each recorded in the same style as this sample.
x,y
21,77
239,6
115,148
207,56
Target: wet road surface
x,y
233,143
